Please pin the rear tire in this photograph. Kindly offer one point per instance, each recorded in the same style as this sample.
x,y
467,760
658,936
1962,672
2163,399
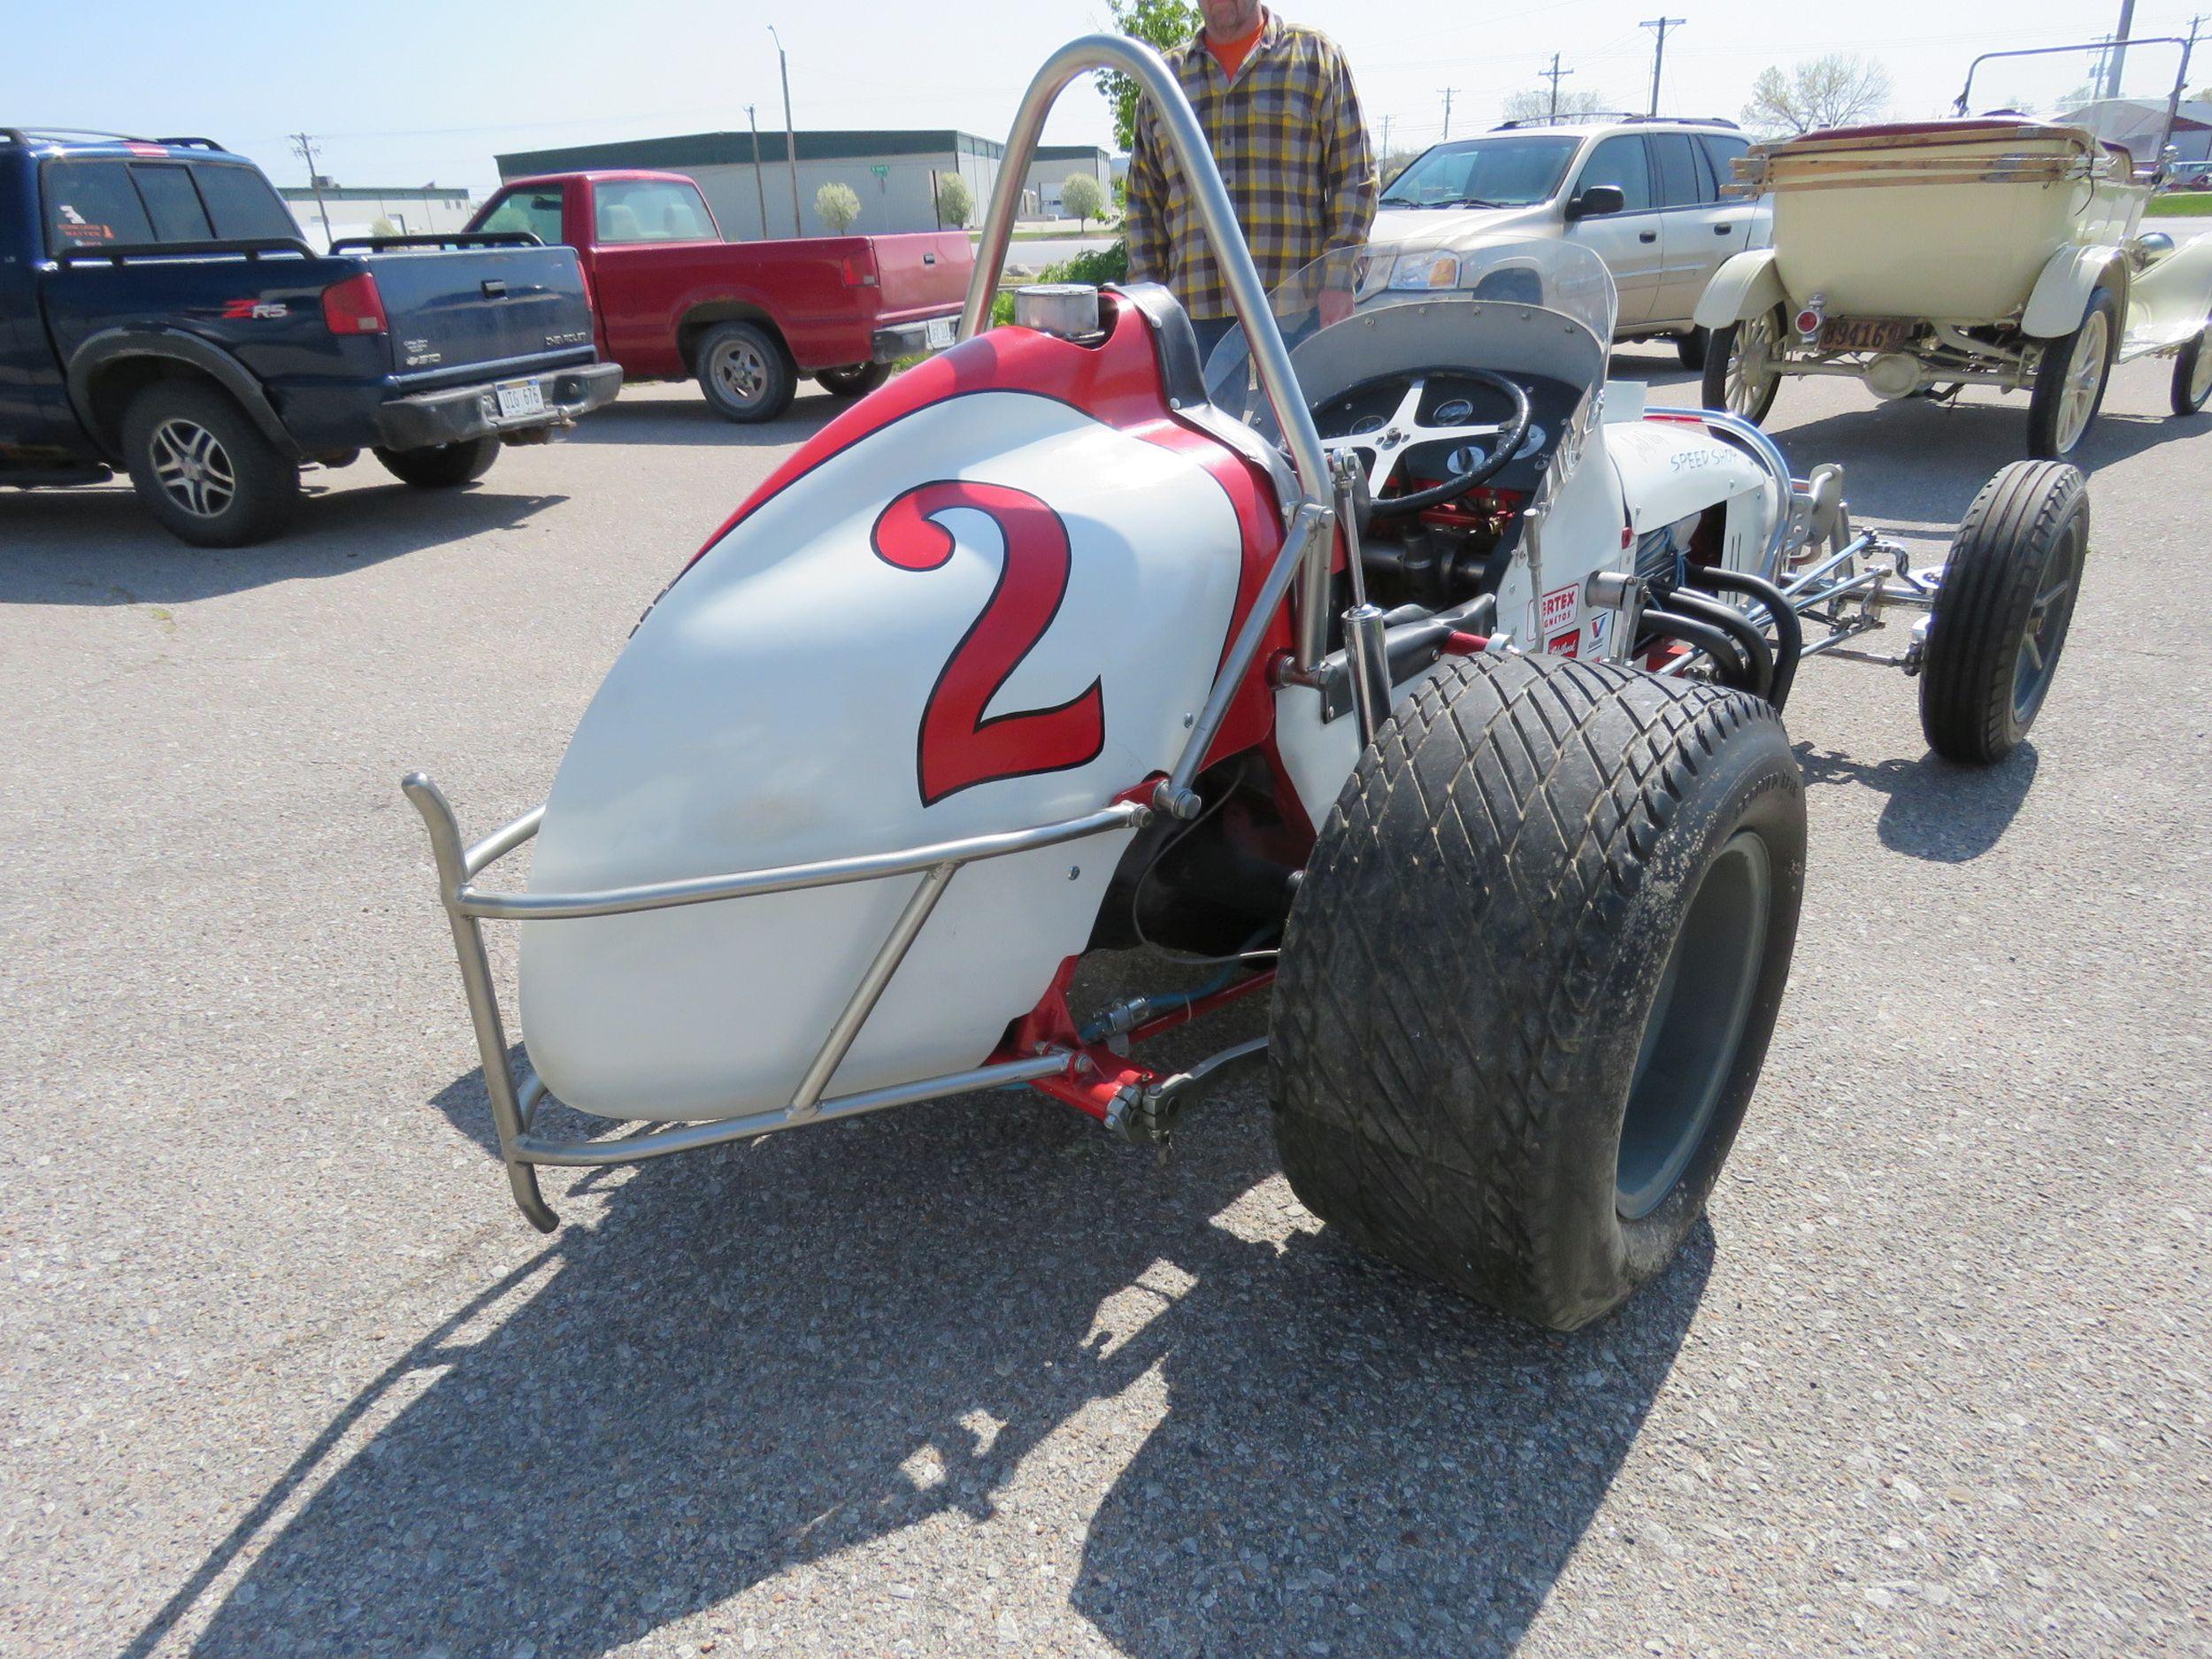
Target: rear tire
x,y
203,467
855,380
441,467
2069,383
1692,347
1728,384
1530,977
2192,375
2002,613
745,372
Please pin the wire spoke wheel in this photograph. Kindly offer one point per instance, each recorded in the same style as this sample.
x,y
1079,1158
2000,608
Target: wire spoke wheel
x,y
1750,376
2084,379
193,468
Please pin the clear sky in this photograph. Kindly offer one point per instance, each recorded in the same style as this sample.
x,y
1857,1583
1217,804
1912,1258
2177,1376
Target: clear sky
x,y
408,92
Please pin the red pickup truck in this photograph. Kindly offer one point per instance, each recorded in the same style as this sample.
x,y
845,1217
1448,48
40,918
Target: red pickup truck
x,y
673,301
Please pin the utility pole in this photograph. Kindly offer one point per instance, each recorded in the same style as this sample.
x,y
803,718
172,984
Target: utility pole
x,y
1449,93
303,147
2116,61
790,138
1555,75
1659,57
1385,143
760,185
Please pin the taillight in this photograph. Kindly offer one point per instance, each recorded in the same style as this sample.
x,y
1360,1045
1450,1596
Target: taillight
x,y
355,307
859,271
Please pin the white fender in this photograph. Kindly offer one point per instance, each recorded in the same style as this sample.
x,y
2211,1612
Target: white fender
x,y
2060,298
1670,468
2171,301
1746,284
767,711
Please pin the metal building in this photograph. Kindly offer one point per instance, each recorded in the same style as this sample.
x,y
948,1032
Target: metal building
x,y
892,172
1050,171
354,209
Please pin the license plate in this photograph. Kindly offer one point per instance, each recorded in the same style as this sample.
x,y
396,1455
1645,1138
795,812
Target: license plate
x,y
1864,333
518,398
940,330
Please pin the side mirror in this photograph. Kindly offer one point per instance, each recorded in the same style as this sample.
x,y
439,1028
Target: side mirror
x,y
1597,200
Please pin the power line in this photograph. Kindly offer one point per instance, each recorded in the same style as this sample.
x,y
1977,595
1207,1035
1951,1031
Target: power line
x,y
1659,56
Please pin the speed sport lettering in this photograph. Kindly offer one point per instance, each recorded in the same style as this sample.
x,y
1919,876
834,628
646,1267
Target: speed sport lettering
x,y
957,748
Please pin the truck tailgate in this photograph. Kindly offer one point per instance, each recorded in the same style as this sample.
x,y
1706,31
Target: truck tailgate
x,y
922,273
481,309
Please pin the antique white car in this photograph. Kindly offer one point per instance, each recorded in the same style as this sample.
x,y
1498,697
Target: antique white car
x,y
1394,662
1923,257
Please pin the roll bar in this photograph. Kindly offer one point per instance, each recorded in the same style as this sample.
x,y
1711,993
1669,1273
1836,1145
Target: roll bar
x,y
1247,296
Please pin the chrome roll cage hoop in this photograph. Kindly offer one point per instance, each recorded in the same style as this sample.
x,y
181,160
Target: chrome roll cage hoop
x,y
1306,554
1247,296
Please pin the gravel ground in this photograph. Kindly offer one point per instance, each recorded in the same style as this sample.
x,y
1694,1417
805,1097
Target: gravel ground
x,y
283,1374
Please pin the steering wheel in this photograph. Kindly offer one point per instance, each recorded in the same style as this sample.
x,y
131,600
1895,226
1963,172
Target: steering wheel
x,y
1384,446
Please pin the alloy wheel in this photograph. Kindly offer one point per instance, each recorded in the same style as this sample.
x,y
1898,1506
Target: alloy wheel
x,y
193,468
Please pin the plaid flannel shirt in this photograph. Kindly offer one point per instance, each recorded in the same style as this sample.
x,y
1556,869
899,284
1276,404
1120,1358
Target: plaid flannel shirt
x,y
1292,146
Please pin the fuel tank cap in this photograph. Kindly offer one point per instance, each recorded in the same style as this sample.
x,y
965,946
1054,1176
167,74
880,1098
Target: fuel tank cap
x,y
1069,309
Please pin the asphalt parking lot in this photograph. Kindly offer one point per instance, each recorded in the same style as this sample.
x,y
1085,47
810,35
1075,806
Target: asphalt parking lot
x,y
282,1373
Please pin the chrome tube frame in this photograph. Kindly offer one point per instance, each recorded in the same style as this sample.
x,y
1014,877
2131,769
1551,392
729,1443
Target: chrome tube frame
x,y
1248,295
515,1100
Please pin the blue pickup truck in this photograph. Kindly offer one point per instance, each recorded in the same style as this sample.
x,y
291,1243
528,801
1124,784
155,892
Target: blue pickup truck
x,y
159,313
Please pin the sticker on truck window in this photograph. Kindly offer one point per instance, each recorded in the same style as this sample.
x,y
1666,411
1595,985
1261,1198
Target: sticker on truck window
x,y
77,227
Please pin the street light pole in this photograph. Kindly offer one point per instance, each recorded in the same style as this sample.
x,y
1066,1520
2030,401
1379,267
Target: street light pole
x,y
760,185
790,138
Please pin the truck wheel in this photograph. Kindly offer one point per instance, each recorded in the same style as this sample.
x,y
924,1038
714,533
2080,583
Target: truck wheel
x,y
744,372
203,469
2070,382
2003,611
442,465
2192,375
1737,377
1530,976
856,382
1691,346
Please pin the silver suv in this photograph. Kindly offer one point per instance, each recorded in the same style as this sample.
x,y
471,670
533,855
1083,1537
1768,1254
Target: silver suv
x,y
1642,193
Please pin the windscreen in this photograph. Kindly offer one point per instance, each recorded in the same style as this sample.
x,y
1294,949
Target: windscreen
x,y
2118,93
1530,285
1503,171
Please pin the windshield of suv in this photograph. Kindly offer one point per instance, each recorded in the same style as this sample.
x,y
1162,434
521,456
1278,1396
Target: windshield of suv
x,y
1506,171
1516,306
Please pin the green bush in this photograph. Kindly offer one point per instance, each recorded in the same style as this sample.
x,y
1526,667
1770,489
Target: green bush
x,y
836,206
1097,267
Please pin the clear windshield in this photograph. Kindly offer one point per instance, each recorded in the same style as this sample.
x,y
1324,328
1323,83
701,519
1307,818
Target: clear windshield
x,y
1522,306
1512,171
2119,94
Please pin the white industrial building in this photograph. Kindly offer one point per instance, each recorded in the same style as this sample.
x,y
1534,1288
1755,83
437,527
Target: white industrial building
x,y
894,174
356,209
1051,169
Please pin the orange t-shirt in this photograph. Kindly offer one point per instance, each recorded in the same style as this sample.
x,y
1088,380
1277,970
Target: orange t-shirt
x,y
1231,56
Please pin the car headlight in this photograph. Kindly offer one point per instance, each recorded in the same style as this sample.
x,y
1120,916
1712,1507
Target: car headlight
x,y
1430,269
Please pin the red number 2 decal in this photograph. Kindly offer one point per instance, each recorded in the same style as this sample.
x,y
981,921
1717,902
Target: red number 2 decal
x,y
958,747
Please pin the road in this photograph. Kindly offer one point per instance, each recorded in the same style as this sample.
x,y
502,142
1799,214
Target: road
x,y
282,1372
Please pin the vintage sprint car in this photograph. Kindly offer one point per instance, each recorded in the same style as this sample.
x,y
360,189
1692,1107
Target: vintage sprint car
x,y
1923,257
1406,670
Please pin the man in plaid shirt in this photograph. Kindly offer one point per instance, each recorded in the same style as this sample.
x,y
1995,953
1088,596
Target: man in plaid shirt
x,y
1278,106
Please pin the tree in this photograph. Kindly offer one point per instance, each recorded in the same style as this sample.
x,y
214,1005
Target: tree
x,y
955,200
1159,24
1535,105
836,206
1080,193
1837,90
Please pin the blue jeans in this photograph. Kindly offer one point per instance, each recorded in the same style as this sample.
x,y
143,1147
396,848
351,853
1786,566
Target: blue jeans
x,y
1210,331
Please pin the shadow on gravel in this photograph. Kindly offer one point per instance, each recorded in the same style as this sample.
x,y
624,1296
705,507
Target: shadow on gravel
x,y
688,420
1936,810
97,546
766,1356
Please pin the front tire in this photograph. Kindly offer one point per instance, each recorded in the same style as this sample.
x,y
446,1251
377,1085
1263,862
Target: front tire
x,y
855,380
441,467
203,467
745,372
2069,383
2002,613
2192,375
1531,975
1692,347
1737,377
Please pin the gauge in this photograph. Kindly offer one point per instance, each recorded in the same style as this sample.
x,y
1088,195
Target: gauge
x,y
1366,424
1453,413
1529,444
